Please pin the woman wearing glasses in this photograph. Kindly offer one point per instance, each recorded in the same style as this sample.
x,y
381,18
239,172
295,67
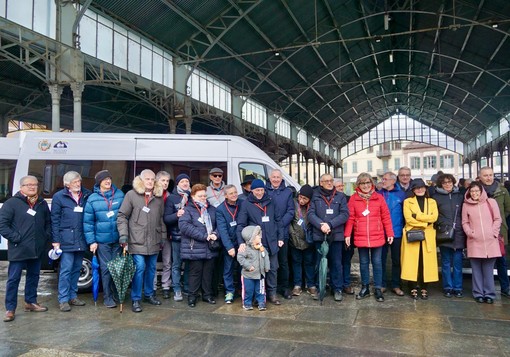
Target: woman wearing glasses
x,y
419,258
481,221
370,218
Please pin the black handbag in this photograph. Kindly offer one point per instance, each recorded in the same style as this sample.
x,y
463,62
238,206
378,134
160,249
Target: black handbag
x,y
415,235
445,232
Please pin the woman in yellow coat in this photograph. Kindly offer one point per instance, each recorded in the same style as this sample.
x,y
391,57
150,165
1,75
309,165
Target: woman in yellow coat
x,y
419,259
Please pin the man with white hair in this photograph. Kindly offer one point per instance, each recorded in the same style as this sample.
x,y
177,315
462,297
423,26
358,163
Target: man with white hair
x,y
140,224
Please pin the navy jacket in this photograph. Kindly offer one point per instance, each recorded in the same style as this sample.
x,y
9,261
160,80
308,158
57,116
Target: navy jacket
x,y
284,206
251,215
67,220
446,205
336,220
27,235
98,227
170,218
395,201
194,244
224,219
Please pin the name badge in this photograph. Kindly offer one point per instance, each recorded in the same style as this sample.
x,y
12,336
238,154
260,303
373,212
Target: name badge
x,y
146,209
365,212
300,222
265,218
233,224
201,220
110,214
31,212
329,211
78,209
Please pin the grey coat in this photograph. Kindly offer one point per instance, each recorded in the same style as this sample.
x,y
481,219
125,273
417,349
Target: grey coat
x,y
253,258
145,230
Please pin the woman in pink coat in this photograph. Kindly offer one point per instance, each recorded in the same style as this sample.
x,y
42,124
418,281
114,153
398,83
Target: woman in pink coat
x,y
481,221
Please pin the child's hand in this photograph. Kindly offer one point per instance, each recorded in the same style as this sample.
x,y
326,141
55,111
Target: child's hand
x,y
252,268
262,248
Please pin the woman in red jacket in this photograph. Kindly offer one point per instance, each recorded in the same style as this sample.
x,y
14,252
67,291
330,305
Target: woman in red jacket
x,y
370,218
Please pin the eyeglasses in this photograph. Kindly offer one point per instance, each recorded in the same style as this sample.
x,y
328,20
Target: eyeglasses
x,y
386,179
30,185
475,191
365,183
404,175
327,181
217,175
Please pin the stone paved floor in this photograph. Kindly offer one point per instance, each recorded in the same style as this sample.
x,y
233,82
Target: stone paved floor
x,y
299,327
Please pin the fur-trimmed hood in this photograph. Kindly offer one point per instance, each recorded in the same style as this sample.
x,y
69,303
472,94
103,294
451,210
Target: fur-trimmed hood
x,y
139,187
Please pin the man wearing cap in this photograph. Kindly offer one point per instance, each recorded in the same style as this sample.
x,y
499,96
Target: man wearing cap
x,y
174,209
100,229
215,190
281,196
259,210
26,224
140,220
302,250
246,186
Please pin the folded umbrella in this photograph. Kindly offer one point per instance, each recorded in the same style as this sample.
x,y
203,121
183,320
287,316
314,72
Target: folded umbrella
x,y
122,270
95,278
323,269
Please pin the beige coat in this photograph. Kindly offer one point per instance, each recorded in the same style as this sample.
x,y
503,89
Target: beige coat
x,y
410,251
145,230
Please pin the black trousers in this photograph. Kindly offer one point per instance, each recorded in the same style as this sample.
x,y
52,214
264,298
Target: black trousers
x,y
200,276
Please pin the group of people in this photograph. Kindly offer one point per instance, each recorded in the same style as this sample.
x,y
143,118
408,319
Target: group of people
x,y
210,233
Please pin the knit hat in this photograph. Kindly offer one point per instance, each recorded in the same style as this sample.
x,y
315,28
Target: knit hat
x,y
257,184
306,190
216,170
249,232
417,183
102,175
181,177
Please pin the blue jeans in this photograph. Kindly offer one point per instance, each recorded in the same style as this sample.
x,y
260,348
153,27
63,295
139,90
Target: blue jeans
x,y
346,264
70,267
502,267
230,266
452,278
144,275
253,288
176,265
364,260
334,256
308,257
394,248
105,253
33,267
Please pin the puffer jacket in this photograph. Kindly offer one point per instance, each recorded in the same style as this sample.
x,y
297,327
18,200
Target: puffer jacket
x,y
369,228
448,203
194,244
251,215
98,227
317,214
226,214
481,221
284,206
27,235
172,205
145,230
67,220
395,201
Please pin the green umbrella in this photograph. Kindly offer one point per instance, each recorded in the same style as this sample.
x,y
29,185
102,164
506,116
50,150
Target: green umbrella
x,y
323,268
122,270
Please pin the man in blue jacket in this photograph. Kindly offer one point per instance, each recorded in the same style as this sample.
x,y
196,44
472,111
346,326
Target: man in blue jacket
x,y
394,197
226,225
67,230
26,224
327,215
100,228
259,210
282,198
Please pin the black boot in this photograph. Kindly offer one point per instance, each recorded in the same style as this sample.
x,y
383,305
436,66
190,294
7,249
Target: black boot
x,y
364,292
379,295
136,306
192,301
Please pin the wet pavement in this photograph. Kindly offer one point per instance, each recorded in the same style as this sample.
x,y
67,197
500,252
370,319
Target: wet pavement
x,y
299,327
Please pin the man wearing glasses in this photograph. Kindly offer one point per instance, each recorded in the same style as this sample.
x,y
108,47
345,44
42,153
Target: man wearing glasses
x,y
328,214
216,189
404,179
25,222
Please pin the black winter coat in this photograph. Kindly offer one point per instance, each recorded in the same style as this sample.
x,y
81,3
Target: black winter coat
x,y
446,205
27,234
284,206
170,218
251,215
194,244
336,220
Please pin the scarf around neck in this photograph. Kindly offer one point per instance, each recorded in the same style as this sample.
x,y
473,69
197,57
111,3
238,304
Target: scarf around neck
x,y
490,189
184,197
205,216
365,196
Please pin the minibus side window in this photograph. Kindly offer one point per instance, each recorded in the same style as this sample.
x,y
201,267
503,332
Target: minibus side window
x,y
252,168
7,168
